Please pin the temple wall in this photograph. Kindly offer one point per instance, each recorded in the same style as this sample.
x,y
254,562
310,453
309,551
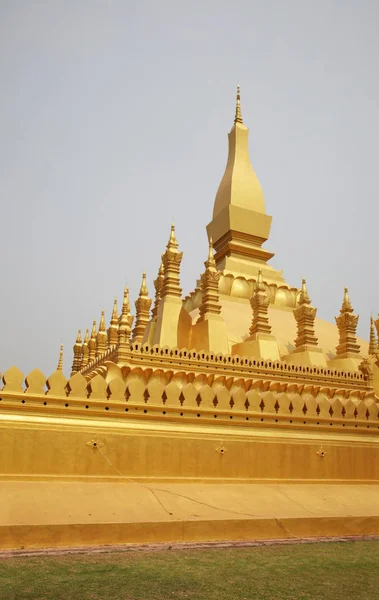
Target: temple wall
x,y
154,424
42,450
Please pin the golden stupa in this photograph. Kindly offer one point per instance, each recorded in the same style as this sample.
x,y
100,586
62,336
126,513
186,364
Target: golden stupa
x,y
232,413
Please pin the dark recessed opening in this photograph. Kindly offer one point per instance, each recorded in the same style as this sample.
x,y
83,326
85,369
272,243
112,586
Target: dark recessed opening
x,y
163,412
45,403
126,409
198,414
107,408
181,414
247,418
87,406
66,405
23,401
145,411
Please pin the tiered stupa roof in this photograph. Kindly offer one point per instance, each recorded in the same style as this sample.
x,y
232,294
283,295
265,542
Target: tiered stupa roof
x,y
217,316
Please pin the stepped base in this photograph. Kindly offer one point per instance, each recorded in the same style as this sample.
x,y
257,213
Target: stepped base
x,y
56,514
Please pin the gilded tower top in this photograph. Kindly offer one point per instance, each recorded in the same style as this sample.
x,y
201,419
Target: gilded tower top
x,y
239,185
240,224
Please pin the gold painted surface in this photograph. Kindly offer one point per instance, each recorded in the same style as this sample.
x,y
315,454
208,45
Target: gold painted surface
x,y
88,534
236,395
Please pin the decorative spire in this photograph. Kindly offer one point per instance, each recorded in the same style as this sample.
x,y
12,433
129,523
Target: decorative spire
x,y
125,321
346,304
172,242
101,338
240,225
92,344
305,316
303,297
158,285
85,350
373,347
143,304
76,364
259,303
60,361
238,115
209,287
171,263
113,326
347,327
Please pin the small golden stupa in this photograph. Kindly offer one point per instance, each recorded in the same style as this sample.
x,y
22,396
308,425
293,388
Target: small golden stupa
x,y
232,413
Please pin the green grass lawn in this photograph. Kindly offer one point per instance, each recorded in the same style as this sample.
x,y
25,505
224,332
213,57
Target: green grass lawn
x,y
332,571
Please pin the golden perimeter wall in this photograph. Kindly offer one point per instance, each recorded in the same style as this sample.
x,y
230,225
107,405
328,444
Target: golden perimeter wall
x,y
172,416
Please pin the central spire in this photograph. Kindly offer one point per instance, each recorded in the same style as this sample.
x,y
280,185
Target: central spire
x,y
239,185
240,224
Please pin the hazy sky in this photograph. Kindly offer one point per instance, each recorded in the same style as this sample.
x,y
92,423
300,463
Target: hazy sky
x,y
113,121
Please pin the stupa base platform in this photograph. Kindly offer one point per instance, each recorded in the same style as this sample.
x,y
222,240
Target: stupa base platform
x,y
44,514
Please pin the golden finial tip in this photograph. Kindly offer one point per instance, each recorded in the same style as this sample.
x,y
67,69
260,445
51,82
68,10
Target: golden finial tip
x,y
143,290
238,115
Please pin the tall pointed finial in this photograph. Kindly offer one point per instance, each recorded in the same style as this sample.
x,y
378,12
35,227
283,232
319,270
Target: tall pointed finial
x,y
113,326
143,304
77,362
303,297
92,344
124,328
114,318
373,347
102,337
102,321
172,242
158,285
60,361
85,350
238,117
143,291
346,304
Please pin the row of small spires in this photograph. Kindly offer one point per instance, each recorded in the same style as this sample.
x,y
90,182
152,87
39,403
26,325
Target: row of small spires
x,y
120,331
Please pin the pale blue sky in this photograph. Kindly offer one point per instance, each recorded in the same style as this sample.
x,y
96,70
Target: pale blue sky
x,y
114,118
